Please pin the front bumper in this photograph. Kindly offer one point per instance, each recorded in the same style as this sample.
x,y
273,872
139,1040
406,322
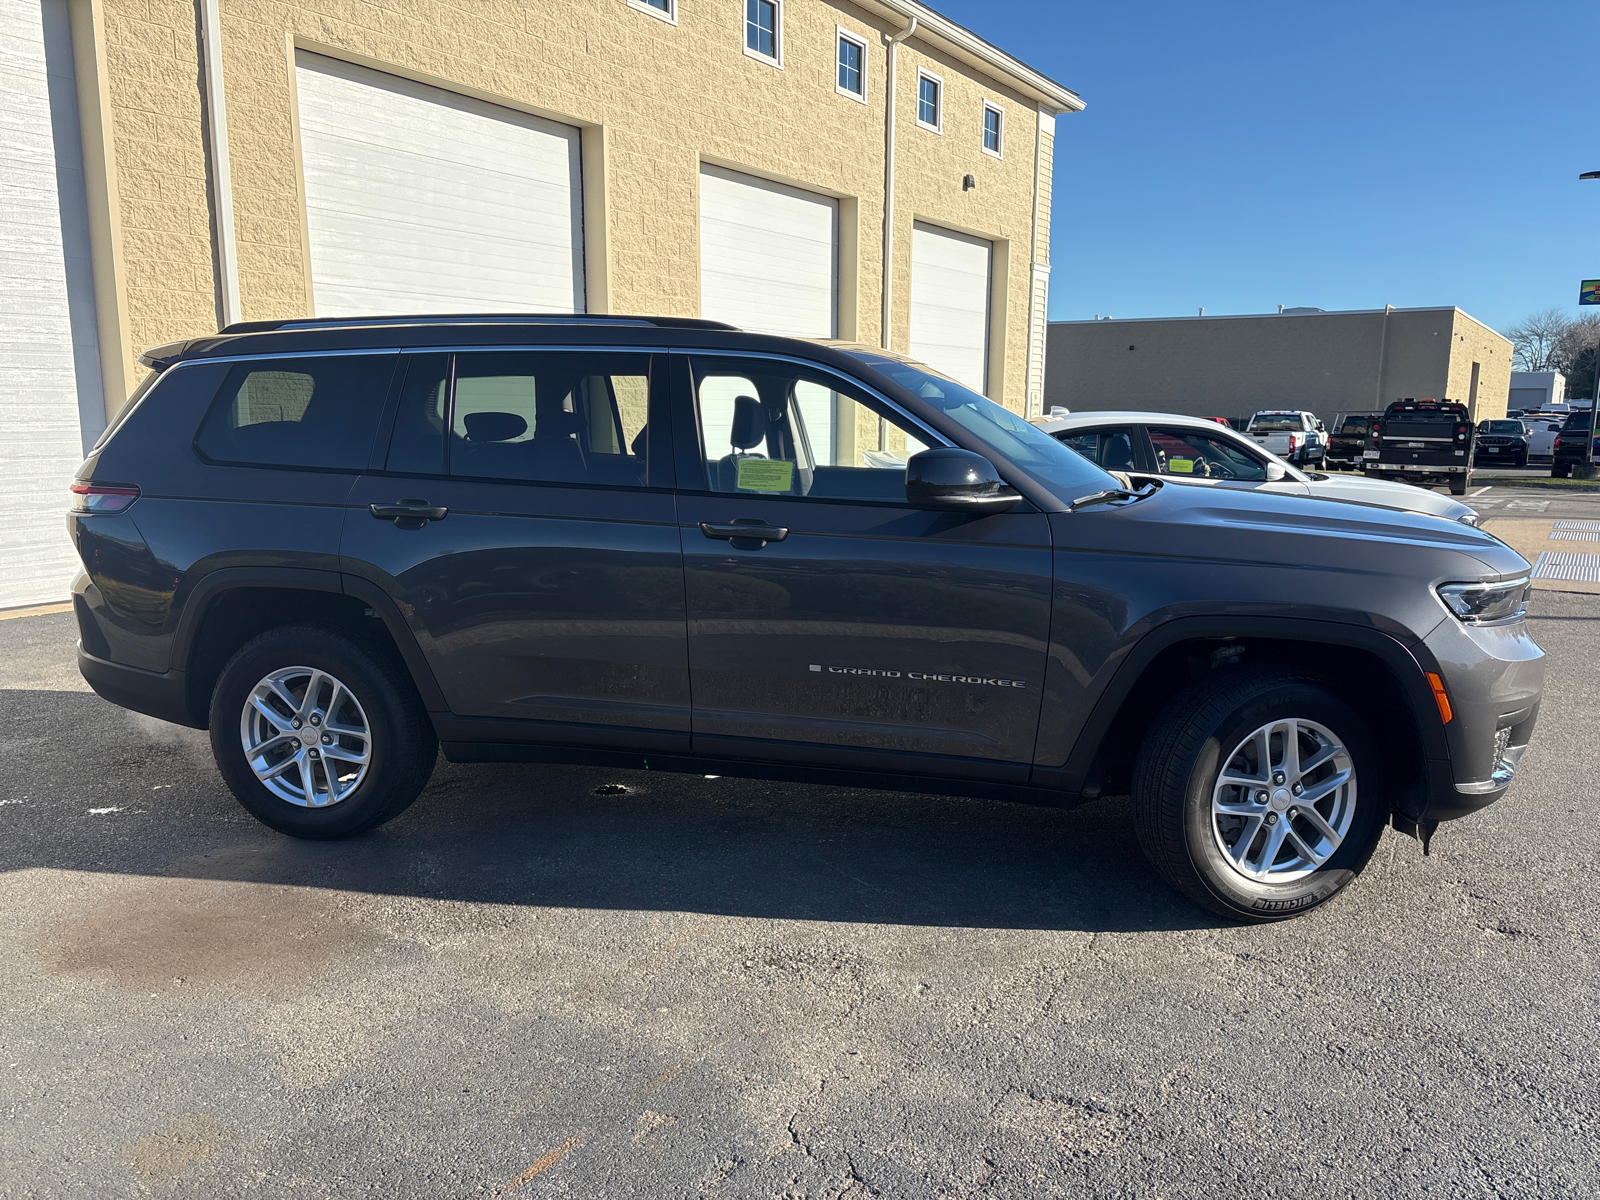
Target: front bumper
x,y
1493,676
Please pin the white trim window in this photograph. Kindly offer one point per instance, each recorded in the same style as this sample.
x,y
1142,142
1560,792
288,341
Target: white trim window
x,y
666,10
930,101
850,79
763,30
994,129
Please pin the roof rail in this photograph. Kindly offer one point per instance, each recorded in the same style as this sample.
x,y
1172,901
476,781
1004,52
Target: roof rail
x,y
474,319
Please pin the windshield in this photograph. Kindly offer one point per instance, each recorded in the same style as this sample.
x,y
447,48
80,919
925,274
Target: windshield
x,y
1510,428
1277,423
1063,471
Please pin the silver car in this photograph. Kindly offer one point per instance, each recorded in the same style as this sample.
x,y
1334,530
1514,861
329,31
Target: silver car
x,y
1207,452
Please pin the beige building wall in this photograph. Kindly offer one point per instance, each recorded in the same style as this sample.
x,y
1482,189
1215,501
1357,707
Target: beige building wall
x,y
654,100
1326,363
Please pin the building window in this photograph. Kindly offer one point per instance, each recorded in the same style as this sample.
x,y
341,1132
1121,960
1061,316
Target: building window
x,y
852,80
667,10
763,30
930,102
994,129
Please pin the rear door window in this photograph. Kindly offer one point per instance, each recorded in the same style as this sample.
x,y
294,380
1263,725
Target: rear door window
x,y
525,416
1112,449
320,412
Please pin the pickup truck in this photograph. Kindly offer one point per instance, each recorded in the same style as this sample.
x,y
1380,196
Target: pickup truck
x,y
1427,442
1290,434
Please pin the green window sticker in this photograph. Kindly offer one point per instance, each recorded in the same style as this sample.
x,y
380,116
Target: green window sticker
x,y
765,475
1181,466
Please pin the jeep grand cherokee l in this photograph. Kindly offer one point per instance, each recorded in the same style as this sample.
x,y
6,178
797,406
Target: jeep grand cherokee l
x,y
671,545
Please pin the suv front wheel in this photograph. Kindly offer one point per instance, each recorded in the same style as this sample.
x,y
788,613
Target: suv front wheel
x,y
1258,793
318,736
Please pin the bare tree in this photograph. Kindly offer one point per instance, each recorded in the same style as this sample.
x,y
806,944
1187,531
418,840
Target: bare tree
x,y
1537,340
1578,353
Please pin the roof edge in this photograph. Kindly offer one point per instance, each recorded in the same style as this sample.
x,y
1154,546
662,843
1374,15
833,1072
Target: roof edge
x,y
1333,312
970,46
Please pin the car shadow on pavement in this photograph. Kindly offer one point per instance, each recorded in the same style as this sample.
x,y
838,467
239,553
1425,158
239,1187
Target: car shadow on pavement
x,y
143,798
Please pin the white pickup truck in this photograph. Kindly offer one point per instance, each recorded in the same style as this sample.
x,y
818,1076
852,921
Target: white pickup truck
x,y
1290,434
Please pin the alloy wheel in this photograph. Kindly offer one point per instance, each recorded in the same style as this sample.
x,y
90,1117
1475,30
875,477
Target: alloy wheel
x,y
1284,801
306,737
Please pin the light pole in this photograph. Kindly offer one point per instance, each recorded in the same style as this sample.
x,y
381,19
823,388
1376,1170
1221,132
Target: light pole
x,y
1594,406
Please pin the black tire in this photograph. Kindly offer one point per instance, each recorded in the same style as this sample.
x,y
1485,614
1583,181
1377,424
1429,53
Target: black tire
x,y
1560,470
1177,770
402,748
1459,484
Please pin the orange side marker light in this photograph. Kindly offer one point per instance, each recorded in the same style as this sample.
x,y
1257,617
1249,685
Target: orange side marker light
x,y
1440,698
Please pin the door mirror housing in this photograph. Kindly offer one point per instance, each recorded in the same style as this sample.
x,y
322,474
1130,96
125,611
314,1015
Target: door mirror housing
x,y
957,481
1275,472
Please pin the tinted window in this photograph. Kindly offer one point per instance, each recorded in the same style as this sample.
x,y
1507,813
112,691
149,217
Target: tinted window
x,y
1575,421
1188,453
299,412
1278,423
1352,426
1108,448
1000,429
529,416
779,429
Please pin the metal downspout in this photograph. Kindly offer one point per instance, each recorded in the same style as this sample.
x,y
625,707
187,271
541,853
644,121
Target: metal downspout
x,y
893,44
221,177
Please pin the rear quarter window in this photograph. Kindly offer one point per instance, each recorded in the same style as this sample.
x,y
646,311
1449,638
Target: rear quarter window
x,y
319,412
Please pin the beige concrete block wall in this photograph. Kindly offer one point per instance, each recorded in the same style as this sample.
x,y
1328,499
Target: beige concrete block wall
x,y
1474,342
659,98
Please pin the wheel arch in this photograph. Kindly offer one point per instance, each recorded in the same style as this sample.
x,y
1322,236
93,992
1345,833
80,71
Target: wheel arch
x,y
230,606
1380,677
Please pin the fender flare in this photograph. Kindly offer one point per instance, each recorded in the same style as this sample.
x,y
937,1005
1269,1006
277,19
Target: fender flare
x,y
1408,662
205,592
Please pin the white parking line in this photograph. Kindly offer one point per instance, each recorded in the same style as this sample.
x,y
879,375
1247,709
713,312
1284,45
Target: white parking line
x,y
1480,491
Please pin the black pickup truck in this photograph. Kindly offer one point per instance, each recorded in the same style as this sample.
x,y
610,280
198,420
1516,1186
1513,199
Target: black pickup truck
x,y
1428,442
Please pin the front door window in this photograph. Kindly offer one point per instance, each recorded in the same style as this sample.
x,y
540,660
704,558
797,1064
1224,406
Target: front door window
x,y
1193,454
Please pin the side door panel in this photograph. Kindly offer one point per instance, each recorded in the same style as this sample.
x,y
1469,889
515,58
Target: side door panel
x,y
873,635
557,606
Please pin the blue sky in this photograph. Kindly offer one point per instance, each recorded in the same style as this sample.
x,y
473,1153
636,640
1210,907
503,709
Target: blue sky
x,y
1241,155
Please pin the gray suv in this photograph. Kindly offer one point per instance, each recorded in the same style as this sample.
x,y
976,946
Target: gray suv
x,y
342,546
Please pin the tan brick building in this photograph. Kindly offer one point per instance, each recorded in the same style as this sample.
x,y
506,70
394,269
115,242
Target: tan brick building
x,y
202,163
1323,362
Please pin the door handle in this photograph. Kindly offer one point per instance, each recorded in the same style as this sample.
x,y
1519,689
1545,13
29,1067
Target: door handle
x,y
746,533
404,512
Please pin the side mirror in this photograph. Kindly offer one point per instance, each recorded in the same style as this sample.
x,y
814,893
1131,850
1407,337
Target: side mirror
x,y
1321,428
1275,472
957,481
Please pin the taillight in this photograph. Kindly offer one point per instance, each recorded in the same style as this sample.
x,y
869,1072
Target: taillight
x,y
1557,446
100,498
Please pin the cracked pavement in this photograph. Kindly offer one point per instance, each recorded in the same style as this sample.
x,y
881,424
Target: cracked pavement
x,y
720,988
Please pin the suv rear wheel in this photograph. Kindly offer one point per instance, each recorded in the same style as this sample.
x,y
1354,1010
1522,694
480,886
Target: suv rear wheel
x,y
317,736
1258,793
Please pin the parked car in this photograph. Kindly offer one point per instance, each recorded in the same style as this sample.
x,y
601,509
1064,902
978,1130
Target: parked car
x,y
1192,450
1501,443
1571,453
342,545
1426,442
1348,438
1296,437
1542,432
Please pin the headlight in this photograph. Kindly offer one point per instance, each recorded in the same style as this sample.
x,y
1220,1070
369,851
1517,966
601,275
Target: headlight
x,y
1486,603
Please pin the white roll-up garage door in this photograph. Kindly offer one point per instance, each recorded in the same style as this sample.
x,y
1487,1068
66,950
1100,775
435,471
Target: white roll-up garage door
x,y
769,263
950,281
49,355
422,201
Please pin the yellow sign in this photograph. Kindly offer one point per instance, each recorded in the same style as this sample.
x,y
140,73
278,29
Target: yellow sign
x,y
765,475
1181,466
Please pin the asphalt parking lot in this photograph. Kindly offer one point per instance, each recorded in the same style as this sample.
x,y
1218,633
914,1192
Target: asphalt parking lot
x,y
535,983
